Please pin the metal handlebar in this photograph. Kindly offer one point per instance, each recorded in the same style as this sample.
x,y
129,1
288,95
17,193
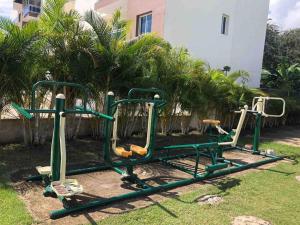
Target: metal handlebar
x,y
146,90
159,100
84,89
259,105
78,110
22,111
92,112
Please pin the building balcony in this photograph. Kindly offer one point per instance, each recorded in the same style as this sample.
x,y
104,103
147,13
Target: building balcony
x,y
31,10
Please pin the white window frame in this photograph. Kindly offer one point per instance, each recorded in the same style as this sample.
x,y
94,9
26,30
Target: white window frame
x,y
225,27
139,22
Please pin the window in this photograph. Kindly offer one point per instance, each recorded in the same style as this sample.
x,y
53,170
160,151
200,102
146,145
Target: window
x,y
225,24
144,23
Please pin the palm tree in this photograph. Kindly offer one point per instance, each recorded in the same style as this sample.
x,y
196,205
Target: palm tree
x,y
19,51
62,43
120,63
66,41
286,79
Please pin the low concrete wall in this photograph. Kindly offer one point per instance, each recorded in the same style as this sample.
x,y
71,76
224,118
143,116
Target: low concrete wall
x,y
11,130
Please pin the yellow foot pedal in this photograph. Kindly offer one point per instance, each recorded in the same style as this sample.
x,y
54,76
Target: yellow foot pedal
x,y
138,150
46,170
68,188
211,122
123,153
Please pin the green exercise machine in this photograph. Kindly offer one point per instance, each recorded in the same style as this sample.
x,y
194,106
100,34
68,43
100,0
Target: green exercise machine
x,y
122,159
54,175
259,111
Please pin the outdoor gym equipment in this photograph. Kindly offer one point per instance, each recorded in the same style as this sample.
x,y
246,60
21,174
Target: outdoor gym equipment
x,y
64,187
54,175
259,110
130,156
235,133
121,151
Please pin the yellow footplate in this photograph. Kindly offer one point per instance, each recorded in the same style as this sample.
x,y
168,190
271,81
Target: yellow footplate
x,y
46,170
211,122
68,188
123,153
138,150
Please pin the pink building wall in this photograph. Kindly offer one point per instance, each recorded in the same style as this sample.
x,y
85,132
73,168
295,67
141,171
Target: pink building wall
x,y
138,7
102,3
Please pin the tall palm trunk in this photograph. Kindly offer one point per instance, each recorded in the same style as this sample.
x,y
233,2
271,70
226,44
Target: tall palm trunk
x,y
25,132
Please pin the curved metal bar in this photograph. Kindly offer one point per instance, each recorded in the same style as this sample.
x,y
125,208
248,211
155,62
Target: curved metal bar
x,y
146,90
259,105
58,83
80,110
129,101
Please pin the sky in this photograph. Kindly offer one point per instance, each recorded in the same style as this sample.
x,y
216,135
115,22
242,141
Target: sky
x,y
285,13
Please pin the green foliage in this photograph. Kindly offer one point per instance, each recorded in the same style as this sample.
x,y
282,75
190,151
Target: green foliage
x,y
290,46
96,52
281,47
18,57
13,211
66,41
119,63
281,74
285,78
272,55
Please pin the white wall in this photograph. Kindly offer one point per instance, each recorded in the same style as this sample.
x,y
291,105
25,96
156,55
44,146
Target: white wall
x,y
249,37
196,24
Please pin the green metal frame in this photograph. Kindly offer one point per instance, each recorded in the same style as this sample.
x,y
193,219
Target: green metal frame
x,y
111,106
59,107
219,166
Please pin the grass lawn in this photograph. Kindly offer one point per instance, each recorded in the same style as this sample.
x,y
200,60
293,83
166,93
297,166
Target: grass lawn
x,y
272,194
12,209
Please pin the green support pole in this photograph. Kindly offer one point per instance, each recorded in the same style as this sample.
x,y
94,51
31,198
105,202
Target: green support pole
x,y
197,163
257,134
55,153
129,170
107,126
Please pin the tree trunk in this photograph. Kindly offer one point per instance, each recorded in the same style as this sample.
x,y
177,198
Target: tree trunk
x,y
77,127
25,134
36,139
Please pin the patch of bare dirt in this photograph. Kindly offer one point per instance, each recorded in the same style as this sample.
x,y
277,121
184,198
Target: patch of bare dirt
x,y
298,178
249,220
